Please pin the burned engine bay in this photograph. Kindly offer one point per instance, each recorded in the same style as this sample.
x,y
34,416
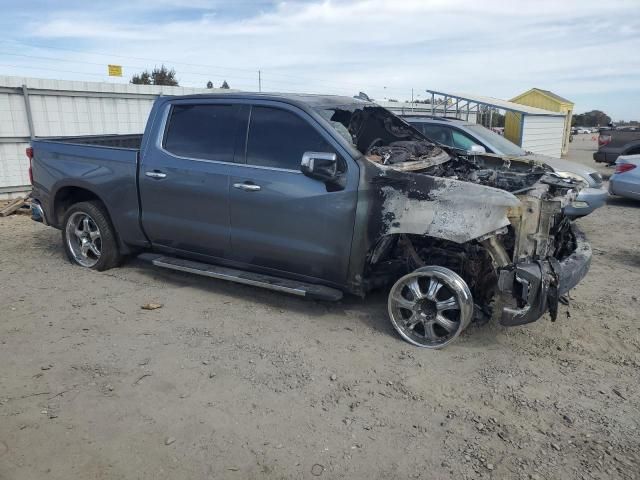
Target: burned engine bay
x,y
428,159
388,141
481,215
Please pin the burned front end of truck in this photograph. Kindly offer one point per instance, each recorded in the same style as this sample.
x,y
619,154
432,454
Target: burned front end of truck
x,y
459,236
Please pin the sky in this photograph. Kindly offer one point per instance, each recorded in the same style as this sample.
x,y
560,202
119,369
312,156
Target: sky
x,y
587,51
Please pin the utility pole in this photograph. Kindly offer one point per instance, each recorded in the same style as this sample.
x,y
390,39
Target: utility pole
x,y
259,81
412,100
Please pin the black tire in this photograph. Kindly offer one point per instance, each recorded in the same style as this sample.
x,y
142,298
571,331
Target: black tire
x,y
109,251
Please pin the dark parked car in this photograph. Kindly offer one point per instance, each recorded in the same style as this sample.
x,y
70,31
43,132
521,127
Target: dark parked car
x,y
316,196
613,143
466,135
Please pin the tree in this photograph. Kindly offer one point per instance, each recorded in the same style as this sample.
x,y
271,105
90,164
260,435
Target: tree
x,y
158,76
486,115
143,79
594,118
209,84
224,85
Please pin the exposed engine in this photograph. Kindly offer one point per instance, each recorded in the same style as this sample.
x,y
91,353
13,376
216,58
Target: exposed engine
x,y
429,159
388,141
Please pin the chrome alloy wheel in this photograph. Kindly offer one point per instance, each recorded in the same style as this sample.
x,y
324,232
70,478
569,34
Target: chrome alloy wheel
x,y
83,239
430,306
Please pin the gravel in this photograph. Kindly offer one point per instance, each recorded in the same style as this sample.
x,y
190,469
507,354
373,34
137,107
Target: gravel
x,y
498,403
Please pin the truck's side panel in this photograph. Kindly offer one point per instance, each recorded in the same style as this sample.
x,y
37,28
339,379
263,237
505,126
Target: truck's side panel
x,y
108,173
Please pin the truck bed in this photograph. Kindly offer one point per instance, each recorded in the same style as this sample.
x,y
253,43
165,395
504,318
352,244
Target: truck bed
x,y
105,165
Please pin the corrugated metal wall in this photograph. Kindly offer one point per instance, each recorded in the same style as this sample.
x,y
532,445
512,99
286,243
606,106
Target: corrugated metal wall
x,y
543,134
14,133
60,108
536,133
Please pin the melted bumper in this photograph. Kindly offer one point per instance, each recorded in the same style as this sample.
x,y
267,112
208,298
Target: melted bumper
x,y
537,286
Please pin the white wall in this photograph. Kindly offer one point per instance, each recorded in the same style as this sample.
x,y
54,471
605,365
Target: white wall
x,y
61,108
543,134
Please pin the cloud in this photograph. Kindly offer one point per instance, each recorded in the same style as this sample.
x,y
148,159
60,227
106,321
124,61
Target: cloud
x,y
89,28
495,48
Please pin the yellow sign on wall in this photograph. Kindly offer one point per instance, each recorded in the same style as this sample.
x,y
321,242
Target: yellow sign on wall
x,y
115,70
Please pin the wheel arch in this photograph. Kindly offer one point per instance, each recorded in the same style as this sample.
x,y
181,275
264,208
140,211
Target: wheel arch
x,y
470,260
68,195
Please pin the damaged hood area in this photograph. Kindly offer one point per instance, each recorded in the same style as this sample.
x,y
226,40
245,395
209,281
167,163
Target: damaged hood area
x,y
453,210
427,189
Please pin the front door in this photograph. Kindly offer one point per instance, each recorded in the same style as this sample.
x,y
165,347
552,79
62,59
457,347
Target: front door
x,y
281,219
184,179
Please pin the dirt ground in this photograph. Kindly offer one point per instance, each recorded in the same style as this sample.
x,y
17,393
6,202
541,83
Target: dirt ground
x,y
227,381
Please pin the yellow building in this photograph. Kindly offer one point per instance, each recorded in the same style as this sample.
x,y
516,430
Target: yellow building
x,y
536,97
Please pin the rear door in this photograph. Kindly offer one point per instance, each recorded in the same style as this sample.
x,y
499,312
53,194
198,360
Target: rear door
x,y
281,219
184,178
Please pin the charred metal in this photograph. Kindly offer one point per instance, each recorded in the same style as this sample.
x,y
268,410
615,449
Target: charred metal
x,y
495,221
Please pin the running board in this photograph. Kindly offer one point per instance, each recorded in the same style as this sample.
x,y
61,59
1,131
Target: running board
x,y
293,287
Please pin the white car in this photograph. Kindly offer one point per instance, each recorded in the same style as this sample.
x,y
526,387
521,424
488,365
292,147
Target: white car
x,y
584,130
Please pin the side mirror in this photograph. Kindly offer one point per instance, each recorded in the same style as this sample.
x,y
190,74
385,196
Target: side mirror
x,y
320,165
476,150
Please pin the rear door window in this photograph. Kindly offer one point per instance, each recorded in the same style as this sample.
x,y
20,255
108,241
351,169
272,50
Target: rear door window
x,y
202,131
278,138
438,134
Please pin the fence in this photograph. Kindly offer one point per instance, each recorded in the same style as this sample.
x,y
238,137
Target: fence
x,y
33,107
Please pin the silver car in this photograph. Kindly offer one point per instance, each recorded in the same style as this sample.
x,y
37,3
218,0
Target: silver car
x,y
467,136
626,180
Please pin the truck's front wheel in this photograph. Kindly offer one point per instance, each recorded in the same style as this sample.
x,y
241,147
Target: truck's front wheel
x,y
89,237
430,307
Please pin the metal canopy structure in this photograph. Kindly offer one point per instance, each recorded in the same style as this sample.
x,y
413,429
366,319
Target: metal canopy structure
x,y
474,102
534,129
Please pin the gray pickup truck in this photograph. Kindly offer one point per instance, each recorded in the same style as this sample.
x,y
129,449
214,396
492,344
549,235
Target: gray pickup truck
x,y
317,196
615,142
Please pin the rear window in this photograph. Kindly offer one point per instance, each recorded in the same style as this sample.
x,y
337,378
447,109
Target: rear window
x,y
202,131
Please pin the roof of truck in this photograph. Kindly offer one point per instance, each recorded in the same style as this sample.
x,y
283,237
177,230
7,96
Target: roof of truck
x,y
308,99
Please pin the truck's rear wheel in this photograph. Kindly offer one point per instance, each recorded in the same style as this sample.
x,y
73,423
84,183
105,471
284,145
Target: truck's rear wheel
x,y
89,238
430,306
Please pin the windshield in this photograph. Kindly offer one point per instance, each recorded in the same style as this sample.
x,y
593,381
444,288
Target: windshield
x,y
367,125
497,142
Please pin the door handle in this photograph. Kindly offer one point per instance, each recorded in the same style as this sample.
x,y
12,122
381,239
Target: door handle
x,y
155,174
247,187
